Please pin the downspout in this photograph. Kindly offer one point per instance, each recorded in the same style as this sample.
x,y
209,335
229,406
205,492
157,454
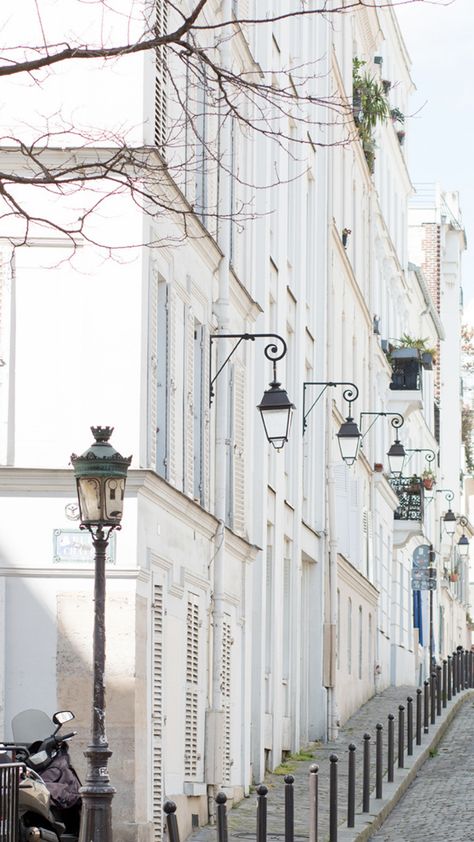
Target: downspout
x,y
215,724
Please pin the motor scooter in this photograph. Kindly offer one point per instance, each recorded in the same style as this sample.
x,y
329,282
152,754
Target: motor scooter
x,y
49,800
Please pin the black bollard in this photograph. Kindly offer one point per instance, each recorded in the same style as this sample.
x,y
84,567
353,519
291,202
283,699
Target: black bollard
x,y
433,697
426,706
401,736
313,802
221,799
391,737
333,758
366,775
169,807
471,668
409,725
419,693
262,813
445,684
438,690
455,673
378,761
289,808
351,787
450,676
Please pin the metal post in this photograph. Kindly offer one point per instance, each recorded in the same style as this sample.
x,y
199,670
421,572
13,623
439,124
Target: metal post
x,y
466,669
289,808
438,690
418,716
333,758
97,794
445,685
391,737
450,675
262,813
378,760
169,807
366,776
458,670
222,834
313,802
409,726
471,668
454,664
433,697
351,787
426,706
431,632
401,736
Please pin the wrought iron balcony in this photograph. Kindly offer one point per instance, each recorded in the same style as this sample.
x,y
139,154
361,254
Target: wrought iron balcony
x,y
410,496
406,369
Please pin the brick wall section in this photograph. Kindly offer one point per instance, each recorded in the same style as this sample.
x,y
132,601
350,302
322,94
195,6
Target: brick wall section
x,y
431,268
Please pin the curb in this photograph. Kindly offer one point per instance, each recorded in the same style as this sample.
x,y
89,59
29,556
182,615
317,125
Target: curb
x,y
366,824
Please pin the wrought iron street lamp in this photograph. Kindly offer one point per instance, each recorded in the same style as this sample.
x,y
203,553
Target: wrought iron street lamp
x,y
275,407
396,453
100,474
449,519
349,435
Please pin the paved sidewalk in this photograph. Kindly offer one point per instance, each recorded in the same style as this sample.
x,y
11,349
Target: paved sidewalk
x,y
242,818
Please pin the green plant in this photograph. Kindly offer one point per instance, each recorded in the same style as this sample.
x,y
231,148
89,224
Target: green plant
x,y
285,768
428,474
370,106
397,115
406,341
302,755
433,752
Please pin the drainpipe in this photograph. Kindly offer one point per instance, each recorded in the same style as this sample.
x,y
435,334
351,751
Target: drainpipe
x,y
215,723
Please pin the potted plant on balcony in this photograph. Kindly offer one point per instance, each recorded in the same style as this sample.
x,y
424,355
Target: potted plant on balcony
x,y
415,348
454,576
428,479
413,485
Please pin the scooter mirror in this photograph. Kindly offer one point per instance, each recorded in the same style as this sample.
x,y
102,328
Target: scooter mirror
x,y
62,716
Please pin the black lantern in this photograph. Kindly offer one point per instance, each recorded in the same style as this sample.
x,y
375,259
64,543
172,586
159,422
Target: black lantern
x,y
276,410
450,521
396,458
463,546
101,474
349,437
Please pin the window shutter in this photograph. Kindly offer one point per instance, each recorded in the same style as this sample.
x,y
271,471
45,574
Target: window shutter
x,y
188,403
192,689
238,450
157,712
342,521
161,75
171,474
206,420
5,328
226,700
153,371
370,545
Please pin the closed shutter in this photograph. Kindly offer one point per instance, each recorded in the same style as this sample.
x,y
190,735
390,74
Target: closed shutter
x,y
354,523
238,450
173,412
206,421
192,688
161,75
286,642
226,700
342,520
157,712
188,403
370,546
152,371
5,329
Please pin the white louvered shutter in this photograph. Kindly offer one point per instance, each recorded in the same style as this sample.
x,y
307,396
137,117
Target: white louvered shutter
x,y
226,700
161,76
370,546
152,371
342,521
5,329
192,689
188,403
354,523
206,421
238,450
157,712
172,403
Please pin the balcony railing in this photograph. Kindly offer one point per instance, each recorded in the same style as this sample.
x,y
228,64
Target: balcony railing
x,y
410,497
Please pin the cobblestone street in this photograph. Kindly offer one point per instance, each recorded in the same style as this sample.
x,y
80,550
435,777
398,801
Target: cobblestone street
x,y
439,803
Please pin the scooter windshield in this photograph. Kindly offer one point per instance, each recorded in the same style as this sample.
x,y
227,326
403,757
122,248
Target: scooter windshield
x,y
31,725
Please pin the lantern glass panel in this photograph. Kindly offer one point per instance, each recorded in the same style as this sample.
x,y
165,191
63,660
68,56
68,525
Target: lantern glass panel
x,y
89,491
277,425
349,447
114,491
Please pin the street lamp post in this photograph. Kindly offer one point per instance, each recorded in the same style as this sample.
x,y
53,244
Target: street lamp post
x,y
349,435
100,474
396,453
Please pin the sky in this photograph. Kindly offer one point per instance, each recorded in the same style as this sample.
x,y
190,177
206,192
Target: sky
x,y
440,129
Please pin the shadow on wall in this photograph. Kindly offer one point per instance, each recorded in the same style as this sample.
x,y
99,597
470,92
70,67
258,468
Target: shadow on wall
x,y
48,665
